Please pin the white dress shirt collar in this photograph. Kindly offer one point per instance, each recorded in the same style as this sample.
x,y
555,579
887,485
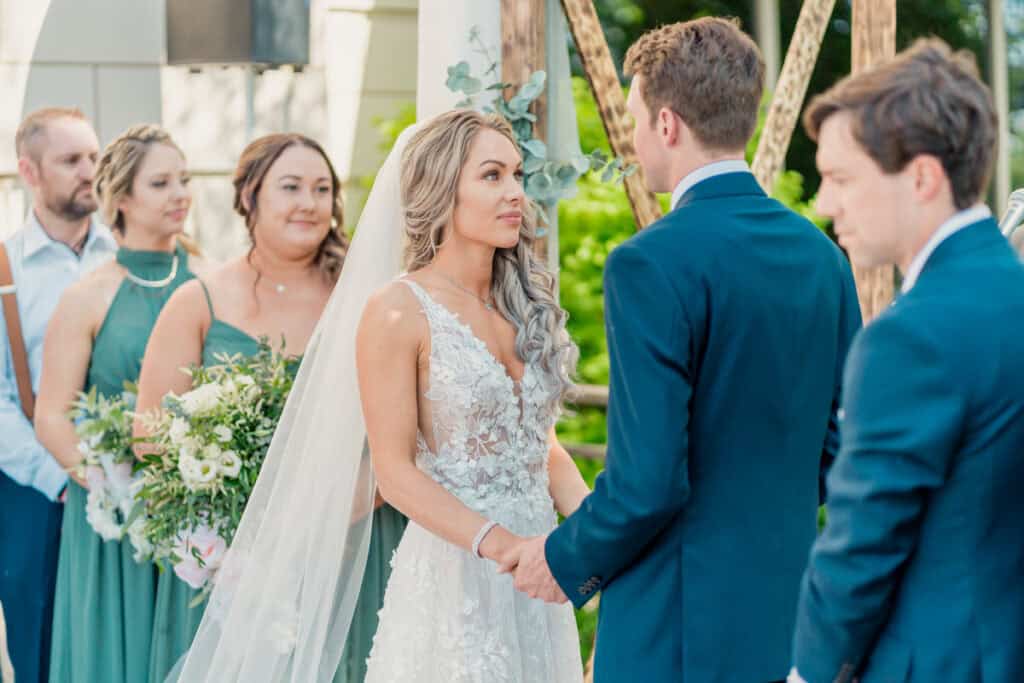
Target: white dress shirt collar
x,y
715,168
953,224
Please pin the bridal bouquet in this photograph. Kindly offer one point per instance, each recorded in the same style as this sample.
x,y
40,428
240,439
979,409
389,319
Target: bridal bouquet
x,y
209,446
104,425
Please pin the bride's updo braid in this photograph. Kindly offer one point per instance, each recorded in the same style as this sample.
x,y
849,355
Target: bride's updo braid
x,y
521,284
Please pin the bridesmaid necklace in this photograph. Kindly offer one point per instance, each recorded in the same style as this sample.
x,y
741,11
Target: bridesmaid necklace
x,y
488,302
155,284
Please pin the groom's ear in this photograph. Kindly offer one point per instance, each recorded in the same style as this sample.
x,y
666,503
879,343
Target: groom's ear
x,y
670,127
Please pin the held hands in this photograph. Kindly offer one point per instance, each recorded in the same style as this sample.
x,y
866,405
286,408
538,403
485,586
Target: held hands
x,y
524,559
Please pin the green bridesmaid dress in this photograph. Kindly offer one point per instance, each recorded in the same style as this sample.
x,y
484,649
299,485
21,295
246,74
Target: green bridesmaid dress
x,y
103,608
176,623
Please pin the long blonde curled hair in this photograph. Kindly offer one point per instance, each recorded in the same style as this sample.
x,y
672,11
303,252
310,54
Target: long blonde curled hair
x,y
522,286
117,168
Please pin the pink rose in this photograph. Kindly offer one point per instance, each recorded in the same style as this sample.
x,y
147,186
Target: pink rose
x,y
210,548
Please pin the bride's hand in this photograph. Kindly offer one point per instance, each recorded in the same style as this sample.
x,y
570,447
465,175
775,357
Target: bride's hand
x,y
504,547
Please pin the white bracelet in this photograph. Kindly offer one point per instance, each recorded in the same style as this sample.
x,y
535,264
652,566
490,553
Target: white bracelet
x,y
480,535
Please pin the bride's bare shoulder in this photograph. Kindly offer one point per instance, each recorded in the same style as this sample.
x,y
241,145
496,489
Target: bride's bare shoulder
x,y
394,313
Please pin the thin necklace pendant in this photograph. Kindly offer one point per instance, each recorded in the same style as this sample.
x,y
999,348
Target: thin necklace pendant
x,y
486,302
280,289
155,284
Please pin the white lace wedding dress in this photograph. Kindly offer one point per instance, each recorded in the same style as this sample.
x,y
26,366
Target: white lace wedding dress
x,y
449,617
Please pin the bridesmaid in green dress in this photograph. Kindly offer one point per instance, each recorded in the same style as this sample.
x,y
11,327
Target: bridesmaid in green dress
x,y
103,610
290,197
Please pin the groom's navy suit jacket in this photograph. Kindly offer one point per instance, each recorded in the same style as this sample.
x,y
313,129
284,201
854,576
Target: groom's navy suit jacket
x,y
919,573
728,323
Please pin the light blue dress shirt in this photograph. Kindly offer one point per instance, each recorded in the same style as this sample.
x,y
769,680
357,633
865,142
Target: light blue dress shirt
x,y
42,269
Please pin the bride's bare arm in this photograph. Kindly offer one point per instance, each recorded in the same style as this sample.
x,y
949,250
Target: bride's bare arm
x,y
388,345
568,489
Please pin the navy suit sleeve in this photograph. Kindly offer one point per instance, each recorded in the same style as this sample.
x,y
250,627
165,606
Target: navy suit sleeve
x,y
903,412
849,324
645,483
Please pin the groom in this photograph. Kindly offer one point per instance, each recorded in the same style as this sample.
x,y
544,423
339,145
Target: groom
x,y
728,323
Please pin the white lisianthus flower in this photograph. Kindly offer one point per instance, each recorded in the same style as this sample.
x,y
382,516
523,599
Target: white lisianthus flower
x,y
230,464
223,433
211,452
178,431
188,466
208,470
201,400
189,448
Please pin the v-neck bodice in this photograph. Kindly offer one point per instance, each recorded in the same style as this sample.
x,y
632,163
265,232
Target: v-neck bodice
x,y
489,442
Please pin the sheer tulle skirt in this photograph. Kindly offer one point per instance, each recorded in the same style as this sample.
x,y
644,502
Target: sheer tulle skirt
x,y
449,617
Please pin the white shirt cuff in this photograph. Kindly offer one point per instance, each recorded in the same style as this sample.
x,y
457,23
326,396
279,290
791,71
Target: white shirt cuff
x,y
794,676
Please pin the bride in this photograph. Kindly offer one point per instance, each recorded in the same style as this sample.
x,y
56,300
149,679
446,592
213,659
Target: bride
x,y
462,363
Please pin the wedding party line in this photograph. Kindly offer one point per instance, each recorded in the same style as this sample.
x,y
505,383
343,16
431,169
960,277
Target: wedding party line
x,y
334,457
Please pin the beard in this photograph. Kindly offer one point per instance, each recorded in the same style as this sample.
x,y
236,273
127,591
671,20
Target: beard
x,y
76,206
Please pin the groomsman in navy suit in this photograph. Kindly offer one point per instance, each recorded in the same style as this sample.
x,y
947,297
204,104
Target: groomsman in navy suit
x,y
728,323
919,573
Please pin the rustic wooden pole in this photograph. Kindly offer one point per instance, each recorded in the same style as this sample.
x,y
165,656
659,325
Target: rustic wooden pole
x,y
768,34
604,80
788,98
999,80
874,39
523,52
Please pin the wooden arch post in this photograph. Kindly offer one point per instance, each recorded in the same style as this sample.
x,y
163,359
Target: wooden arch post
x,y
874,40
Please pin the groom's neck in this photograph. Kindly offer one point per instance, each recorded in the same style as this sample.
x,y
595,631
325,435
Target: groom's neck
x,y
686,162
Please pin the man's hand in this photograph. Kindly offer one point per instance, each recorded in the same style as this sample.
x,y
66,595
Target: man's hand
x,y
533,576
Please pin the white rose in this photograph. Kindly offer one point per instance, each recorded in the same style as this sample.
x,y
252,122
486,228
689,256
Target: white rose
x,y
178,431
223,433
230,464
201,400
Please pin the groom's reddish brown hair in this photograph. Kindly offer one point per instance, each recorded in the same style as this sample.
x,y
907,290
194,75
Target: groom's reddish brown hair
x,y
707,71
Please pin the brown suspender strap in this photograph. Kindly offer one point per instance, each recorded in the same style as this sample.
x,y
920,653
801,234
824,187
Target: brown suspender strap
x,y
14,336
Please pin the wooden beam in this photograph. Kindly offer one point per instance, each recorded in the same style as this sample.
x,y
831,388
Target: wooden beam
x,y
999,80
874,39
523,52
769,38
604,81
788,99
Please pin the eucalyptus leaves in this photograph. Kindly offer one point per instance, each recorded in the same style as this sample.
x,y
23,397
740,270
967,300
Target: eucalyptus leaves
x,y
546,180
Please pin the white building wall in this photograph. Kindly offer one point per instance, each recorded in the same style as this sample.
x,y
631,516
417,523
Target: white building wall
x,y
107,57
